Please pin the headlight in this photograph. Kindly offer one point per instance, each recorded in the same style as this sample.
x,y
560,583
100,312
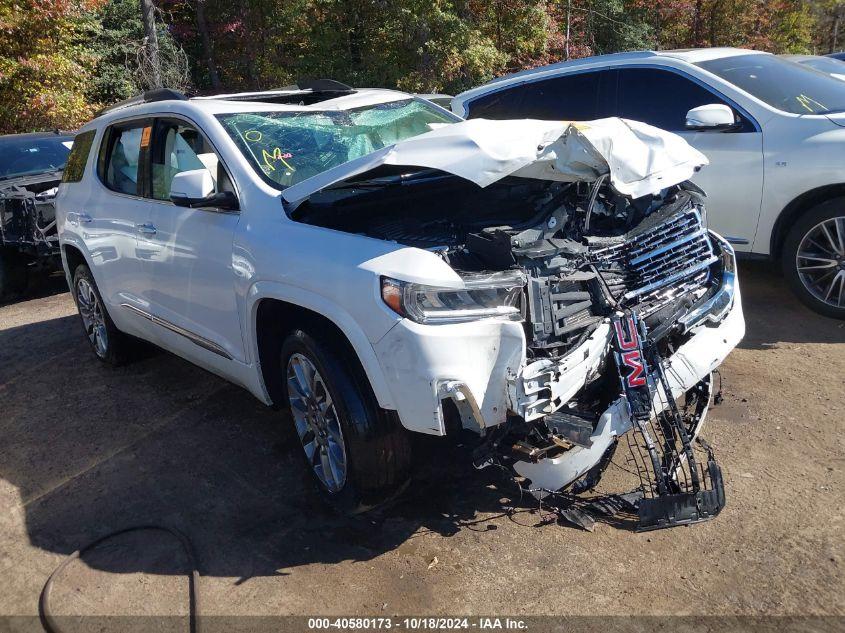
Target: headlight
x,y
483,296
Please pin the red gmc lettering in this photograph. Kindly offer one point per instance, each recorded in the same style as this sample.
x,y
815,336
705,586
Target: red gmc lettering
x,y
634,360
624,342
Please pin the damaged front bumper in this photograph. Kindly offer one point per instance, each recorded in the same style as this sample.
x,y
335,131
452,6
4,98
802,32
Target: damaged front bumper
x,y
692,363
480,368
715,326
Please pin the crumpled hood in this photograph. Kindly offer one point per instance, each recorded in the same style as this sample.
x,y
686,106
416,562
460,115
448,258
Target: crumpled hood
x,y
640,159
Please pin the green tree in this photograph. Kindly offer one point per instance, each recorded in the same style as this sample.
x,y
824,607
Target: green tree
x,y
45,66
117,46
791,29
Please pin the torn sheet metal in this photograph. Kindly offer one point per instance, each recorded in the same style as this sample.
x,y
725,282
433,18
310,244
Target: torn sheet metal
x,y
640,159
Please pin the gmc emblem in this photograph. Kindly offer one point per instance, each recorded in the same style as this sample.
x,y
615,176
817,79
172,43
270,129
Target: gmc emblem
x,y
630,353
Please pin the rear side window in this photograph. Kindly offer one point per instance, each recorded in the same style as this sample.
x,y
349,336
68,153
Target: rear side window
x,y
662,98
569,98
122,171
503,104
78,157
576,97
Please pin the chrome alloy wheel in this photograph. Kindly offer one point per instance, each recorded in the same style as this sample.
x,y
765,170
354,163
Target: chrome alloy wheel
x,y
317,423
821,261
93,316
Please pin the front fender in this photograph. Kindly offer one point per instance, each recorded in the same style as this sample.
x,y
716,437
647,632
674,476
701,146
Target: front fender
x,y
335,313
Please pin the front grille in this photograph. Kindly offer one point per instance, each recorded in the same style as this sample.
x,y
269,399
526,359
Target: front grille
x,y
661,262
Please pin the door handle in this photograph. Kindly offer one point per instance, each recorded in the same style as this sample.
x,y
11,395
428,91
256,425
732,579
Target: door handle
x,y
79,218
145,229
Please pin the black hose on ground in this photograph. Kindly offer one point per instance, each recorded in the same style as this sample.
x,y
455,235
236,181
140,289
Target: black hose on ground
x,y
49,622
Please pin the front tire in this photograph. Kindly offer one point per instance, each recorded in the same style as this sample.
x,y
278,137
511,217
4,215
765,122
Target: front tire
x,y
108,343
814,258
358,453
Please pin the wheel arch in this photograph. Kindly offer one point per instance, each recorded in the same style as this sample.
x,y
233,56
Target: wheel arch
x,y
272,316
797,207
72,257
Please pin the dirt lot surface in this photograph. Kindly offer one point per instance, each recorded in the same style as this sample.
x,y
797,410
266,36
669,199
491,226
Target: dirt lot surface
x,y
85,450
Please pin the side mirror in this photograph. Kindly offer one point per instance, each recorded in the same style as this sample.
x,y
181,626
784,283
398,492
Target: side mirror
x,y
713,116
195,189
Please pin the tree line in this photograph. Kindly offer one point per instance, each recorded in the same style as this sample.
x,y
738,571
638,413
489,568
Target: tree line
x,y
63,60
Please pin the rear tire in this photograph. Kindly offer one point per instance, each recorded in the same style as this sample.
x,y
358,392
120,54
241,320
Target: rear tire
x,y
108,343
358,453
13,275
813,258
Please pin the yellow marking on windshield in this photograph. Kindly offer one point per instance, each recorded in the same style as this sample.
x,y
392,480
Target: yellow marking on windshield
x,y
276,155
805,101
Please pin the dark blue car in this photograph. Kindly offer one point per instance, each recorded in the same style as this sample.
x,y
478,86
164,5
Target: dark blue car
x,y
31,167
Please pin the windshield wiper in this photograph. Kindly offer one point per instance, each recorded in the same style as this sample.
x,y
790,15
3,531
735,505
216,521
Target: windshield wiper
x,y
397,179
37,172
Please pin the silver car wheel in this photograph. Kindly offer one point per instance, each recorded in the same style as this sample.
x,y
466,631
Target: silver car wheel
x,y
317,422
93,317
821,261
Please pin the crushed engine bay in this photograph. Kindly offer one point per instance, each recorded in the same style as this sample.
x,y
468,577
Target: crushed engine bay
x,y
28,215
583,248
585,254
589,248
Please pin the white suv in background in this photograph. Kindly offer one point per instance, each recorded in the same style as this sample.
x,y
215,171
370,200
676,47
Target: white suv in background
x,y
374,265
773,130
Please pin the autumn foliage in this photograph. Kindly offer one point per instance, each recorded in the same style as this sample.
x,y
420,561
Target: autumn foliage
x,y
61,60
45,63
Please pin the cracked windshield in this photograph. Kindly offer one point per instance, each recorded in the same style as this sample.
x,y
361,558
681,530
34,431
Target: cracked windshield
x,y
288,147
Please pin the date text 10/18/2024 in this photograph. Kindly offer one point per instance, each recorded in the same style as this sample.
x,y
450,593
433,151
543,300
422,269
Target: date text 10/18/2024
x,y
417,623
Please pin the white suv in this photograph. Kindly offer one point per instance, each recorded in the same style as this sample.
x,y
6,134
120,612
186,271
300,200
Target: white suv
x,y
375,265
772,129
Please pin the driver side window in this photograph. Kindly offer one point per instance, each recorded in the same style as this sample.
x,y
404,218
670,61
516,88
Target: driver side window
x,y
662,98
178,147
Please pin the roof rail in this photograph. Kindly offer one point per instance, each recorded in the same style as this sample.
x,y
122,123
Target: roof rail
x,y
149,96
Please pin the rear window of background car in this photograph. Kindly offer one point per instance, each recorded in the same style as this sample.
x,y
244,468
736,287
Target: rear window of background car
x,y
78,157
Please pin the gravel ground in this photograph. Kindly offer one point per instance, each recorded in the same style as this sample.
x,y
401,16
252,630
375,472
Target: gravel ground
x,y
86,449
